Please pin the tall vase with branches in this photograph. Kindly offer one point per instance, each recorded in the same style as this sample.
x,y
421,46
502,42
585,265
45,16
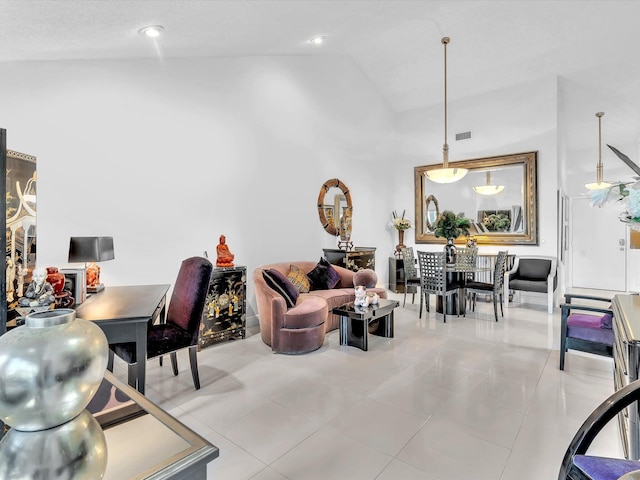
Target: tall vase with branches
x,y
400,223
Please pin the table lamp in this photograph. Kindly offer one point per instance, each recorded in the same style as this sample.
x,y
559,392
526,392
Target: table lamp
x,y
91,250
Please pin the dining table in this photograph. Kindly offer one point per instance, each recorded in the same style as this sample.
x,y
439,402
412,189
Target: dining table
x,y
458,274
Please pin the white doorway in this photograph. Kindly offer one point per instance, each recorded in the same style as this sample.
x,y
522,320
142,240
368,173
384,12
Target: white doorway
x,y
598,246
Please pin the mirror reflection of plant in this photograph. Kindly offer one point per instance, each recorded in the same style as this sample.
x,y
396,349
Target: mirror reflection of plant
x,y
496,222
450,226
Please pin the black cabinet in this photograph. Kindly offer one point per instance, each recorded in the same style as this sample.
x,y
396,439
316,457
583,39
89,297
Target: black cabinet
x,y
224,315
396,275
356,259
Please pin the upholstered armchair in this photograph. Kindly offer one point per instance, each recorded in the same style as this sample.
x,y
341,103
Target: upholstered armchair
x,y
586,326
533,274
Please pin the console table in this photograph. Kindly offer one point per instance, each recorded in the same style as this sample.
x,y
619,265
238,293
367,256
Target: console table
x,y
626,358
355,259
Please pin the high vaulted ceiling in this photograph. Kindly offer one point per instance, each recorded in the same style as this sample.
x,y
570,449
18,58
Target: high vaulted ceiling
x,y
591,45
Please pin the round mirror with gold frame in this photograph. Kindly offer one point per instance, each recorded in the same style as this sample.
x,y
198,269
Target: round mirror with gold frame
x,y
333,200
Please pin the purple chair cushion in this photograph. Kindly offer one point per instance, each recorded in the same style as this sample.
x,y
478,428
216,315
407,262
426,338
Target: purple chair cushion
x,y
598,335
590,321
603,468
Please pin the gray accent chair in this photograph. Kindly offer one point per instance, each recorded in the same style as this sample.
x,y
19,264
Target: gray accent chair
x,y
533,274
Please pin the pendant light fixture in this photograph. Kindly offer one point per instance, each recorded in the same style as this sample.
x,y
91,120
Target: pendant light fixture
x,y
599,184
488,189
445,174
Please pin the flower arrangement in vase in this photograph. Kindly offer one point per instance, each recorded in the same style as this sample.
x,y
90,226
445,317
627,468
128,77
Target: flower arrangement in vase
x,y
400,224
450,226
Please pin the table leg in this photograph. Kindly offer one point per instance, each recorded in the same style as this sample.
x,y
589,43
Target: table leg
x,y
354,333
141,355
385,326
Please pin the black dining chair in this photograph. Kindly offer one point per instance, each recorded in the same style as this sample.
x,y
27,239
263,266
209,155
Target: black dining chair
x,y
181,327
411,278
495,288
577,464
433,279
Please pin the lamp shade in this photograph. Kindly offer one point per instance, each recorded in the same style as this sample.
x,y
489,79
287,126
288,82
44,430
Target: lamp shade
x,y
90,249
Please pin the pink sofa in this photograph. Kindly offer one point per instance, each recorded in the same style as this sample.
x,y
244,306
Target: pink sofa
x,y
301,329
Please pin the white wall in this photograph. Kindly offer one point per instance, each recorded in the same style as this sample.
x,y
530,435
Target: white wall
x,y
514,120
166,156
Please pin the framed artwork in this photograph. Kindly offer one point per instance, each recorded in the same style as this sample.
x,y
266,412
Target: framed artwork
x,y
20,226
75,281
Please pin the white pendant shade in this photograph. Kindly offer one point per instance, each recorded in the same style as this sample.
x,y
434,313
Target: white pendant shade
x,y
488,189
597,185
446,175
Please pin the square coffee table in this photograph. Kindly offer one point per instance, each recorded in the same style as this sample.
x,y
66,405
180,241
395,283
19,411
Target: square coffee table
x,y
357,322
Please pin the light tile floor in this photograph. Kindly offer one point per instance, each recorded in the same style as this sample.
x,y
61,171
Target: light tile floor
x,y
469,399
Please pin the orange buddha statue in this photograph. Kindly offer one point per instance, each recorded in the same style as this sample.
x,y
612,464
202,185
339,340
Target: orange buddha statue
x,y
225,257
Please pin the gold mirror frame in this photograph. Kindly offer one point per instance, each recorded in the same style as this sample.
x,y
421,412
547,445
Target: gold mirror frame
x,y
429,200
331,225
529,234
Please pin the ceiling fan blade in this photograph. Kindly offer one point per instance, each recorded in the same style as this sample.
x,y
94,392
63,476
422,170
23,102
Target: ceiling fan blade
x,y
625,159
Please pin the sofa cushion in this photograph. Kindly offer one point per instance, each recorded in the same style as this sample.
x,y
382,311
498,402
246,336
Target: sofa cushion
x,y
299,279
309,312
323,276
281,284
365,277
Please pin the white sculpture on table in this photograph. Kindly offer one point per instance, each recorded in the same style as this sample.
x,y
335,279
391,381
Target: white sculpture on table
x,y
364,299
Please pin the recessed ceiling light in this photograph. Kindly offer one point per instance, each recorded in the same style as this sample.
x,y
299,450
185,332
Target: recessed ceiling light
x,y
318,40
151,31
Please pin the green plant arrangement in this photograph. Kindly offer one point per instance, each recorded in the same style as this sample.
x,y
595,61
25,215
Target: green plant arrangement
x,y
450,226
496,222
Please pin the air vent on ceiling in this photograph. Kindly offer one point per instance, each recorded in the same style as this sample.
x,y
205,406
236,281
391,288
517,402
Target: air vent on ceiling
x,y
463,135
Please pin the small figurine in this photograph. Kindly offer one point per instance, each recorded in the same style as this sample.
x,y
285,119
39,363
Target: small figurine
x,y
364,299
40,292
225,257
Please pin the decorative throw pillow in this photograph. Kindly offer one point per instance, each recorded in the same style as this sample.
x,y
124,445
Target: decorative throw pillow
x,y
282,285
299,279
323,276
365,277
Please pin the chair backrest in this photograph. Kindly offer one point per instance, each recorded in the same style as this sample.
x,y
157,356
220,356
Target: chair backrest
x,y
433,276
467,257
499,270
409,262
189,295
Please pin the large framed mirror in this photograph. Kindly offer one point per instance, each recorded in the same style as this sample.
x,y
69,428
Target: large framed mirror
x,y
503,216
334,201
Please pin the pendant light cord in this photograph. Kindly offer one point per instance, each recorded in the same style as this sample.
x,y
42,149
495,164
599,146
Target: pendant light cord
x,y
445,147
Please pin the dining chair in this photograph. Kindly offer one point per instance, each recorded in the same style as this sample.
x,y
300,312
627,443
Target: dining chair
x,y
466,257
495,288
577,464
181,326
411,278
433,279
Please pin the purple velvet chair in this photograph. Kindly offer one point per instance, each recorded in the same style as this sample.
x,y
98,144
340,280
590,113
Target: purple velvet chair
x,y
577,465
181,328
586,327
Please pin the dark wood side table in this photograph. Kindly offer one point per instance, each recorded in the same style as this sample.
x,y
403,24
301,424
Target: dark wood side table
x,y
396,275
355,259
224,315
357,322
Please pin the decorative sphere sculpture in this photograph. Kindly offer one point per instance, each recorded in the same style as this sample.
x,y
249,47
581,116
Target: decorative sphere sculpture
x,y
50,368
